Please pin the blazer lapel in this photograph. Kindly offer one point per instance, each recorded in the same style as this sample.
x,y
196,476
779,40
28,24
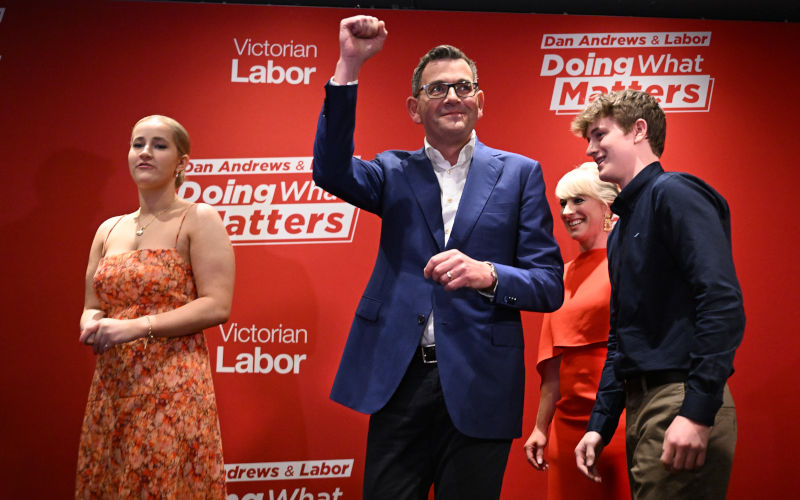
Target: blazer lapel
x,y
483,174
419,172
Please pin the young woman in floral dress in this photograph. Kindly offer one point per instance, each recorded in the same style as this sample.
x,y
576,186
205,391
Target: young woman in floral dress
x,y
156,278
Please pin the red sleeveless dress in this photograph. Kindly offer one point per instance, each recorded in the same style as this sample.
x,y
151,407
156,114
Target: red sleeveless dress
x,y
578,332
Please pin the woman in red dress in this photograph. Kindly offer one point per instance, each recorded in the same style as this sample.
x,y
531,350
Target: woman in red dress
x,y
572,348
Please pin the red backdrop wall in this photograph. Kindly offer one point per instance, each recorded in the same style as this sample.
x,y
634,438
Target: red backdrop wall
x,y
74,79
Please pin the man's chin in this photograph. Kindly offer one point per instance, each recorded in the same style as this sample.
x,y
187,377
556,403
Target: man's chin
x,y
457,127
453,130
601,170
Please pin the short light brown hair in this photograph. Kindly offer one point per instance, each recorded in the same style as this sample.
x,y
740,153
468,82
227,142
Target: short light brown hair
x,y
179,135
625,107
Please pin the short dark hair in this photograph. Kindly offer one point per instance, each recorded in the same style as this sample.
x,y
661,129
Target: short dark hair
x,y
625,107
436,53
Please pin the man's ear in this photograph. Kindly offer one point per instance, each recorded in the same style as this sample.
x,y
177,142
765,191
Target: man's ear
x,y
479,99
639,130
411,104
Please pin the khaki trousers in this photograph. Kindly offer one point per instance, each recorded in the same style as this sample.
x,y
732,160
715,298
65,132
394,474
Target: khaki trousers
x,y
649,413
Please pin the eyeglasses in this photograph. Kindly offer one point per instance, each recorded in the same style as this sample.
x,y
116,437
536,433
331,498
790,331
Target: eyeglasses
x,y
439,90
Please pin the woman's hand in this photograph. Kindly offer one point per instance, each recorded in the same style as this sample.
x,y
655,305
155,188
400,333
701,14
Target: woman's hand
x,y
104,333
534,449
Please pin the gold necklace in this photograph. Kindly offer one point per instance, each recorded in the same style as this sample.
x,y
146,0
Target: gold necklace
x,y
140,229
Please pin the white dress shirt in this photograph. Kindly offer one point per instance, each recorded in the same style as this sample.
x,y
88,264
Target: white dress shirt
x,y
451,184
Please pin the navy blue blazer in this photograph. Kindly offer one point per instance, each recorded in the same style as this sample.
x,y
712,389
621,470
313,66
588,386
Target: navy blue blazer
x,y
503,217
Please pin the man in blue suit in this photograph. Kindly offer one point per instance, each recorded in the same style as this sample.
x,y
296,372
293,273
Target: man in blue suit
x,y
435,352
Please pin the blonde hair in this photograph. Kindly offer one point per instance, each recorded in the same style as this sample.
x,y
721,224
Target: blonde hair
x,y
585,181
179,136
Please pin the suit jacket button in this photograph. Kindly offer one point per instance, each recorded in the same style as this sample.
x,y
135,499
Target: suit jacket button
x,y
511,300
420,319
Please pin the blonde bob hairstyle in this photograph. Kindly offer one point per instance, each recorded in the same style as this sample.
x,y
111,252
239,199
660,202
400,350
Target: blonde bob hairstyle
x,y
585,181
179,136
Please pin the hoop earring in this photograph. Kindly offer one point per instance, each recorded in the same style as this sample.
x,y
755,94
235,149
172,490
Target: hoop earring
x,y
608,223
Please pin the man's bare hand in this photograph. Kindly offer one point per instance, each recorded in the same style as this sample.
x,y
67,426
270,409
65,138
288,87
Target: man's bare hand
x,y
587,453
360,37
685,444
454,270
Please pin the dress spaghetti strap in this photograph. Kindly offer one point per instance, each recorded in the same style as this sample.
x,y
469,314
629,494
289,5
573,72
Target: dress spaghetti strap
x,y
109,234
185,212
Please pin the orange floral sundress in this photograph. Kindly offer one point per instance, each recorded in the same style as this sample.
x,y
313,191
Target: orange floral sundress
x,y
151,428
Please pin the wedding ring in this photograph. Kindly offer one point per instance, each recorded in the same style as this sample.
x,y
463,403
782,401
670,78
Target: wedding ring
x,y
449,276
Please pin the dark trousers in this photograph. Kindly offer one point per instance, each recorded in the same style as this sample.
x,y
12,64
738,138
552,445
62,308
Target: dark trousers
x,y
413,444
